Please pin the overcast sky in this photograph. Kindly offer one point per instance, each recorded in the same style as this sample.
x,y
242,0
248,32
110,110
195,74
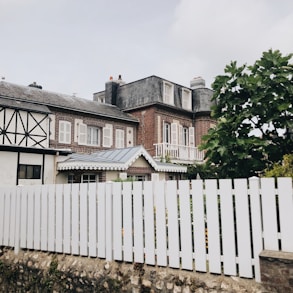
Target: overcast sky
x,y
74,46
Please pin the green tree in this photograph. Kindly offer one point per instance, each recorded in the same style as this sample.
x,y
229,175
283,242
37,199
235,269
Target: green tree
x,y
255,117
284,169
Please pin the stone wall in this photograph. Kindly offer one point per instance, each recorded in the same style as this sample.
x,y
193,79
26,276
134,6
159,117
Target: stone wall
x,y
35,271
277,270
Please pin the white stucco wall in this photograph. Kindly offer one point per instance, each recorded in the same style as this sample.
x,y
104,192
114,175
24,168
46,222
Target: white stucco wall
x,y
8,163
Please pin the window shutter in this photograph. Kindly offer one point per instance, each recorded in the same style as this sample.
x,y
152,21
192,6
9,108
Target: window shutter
x,y
180,134
82,133
108,135
119,138
174,134
191,136
64,132
68,132
61,131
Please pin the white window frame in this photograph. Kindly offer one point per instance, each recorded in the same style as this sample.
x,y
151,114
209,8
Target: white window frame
x,y
186,99
119,138
93,131
108,135
168,93
64,132
88,179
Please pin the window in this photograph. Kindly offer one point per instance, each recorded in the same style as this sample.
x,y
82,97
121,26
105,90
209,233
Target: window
x,y
88,178
119,133
168,93
71,179
64,132
186,99
93,135
138,177
185,136
167,132
29,171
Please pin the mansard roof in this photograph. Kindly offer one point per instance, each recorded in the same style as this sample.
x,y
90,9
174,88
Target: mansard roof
x,y
51,99
116,159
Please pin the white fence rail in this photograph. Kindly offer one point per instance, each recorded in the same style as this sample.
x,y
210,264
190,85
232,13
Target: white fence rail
x,y
207,226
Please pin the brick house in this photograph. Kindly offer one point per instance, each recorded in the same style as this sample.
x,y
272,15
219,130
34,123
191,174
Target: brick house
x,y
42,128
172,118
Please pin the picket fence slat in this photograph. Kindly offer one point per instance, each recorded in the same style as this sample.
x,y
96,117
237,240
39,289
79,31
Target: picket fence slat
x,y
51,218
101,192
216,226
67,219
127,222
75,219
173,227
17,221
37,218
185,225
83,213
109,222
199,231
213,226
228,230
285,212
149,223
117,221
23,218
256,223
92,220
59,218
269,210
159,191
44,217
243,228
30,218
138,222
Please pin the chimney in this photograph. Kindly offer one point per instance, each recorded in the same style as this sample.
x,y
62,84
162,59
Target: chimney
x,y
35,85
197,83
111,89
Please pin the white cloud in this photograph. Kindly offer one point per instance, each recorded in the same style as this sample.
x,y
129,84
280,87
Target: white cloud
x,y
212,33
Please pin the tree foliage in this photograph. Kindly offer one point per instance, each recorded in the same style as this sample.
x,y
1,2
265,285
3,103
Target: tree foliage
x,y
255,115
284,169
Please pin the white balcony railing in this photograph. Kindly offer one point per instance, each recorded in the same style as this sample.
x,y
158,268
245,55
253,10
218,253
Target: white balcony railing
x,y
180,153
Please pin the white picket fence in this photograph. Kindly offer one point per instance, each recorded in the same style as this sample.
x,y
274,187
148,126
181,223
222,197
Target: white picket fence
x,y
208,226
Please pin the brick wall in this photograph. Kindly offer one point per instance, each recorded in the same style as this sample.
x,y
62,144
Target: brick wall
x,y
151,119
90,121
201,126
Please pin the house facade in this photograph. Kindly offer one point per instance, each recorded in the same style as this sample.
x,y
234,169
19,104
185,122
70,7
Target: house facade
x,y
172,118
40,129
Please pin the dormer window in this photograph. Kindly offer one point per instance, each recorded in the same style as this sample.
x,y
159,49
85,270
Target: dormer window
x,y
101,99
186,99
168,93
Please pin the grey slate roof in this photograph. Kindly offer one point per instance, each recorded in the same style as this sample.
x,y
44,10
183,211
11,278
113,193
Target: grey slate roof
x,y
14,104
115,159
62,101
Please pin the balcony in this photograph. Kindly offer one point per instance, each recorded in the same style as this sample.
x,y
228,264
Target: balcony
x,y
178,153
